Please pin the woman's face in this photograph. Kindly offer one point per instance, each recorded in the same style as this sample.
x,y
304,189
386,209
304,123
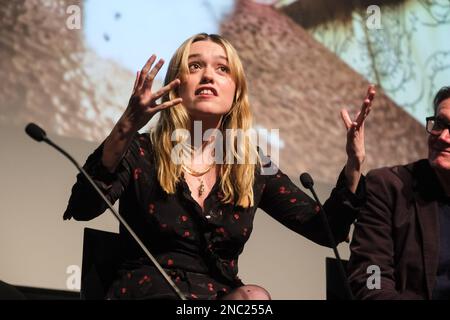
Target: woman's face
x,y
208,88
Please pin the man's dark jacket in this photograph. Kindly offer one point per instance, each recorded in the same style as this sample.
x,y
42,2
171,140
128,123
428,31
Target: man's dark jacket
x,y
397,231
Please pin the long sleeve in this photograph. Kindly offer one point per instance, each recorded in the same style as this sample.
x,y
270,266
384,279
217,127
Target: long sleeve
x,y
84,203
372,243
286,203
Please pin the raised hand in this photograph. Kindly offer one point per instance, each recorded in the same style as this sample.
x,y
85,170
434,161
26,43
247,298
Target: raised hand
x,y
142,105
355,146
141,108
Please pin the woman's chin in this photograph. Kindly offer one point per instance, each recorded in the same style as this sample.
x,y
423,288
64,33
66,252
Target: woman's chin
x,y
206,112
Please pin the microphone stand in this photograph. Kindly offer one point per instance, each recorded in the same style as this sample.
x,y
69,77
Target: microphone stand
x,y
38,134
308,183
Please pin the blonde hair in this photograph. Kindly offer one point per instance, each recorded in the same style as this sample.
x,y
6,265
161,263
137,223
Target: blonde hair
x,y
237,179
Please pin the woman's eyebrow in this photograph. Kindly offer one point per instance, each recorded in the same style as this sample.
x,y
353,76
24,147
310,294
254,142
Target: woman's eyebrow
x,y
198,55
222,57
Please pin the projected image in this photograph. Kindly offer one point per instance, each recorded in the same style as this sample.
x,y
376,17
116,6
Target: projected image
x,y
407,55
77,81
305,60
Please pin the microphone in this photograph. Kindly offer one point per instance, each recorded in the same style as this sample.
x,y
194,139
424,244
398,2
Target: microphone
x,y
38,134
35,132
308,183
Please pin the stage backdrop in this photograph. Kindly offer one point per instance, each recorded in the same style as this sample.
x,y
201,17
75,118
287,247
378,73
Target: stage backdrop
x,y
69,66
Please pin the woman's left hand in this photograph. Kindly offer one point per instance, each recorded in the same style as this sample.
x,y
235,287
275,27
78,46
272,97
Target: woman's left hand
x,y
355,140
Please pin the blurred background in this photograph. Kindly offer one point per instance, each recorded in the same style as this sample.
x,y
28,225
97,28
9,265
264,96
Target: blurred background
x,y
69,66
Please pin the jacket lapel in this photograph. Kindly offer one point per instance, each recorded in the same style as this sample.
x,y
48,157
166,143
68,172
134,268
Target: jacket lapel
x,y
427,191
427,216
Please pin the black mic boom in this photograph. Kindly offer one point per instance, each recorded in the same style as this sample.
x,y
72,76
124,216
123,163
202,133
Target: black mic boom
x,y
38,134
308,183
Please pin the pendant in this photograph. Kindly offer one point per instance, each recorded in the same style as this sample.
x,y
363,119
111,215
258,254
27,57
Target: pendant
x,y
201,188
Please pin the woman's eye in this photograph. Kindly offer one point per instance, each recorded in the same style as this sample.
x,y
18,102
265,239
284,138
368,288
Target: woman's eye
x,y
194,66
224,69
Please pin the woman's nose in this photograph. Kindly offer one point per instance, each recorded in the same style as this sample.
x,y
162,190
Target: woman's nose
x,y
207,76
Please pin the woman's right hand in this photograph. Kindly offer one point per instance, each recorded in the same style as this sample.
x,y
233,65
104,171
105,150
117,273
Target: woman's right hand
x,y
142,105
141,108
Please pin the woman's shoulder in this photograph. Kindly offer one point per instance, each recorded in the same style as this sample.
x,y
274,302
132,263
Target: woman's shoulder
x,y
266,166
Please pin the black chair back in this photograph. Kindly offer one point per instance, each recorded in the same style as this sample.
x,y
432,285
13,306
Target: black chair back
x,y
100,262
335,283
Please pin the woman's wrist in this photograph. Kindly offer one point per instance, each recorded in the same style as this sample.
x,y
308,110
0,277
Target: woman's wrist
x,y
354,163
128,124
117,143
353,170
124,129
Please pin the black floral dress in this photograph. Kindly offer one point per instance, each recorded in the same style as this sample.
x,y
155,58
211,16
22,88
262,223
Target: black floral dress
x,y
198,248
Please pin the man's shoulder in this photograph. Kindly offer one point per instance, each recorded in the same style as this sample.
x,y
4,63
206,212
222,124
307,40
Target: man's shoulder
x,y
403,173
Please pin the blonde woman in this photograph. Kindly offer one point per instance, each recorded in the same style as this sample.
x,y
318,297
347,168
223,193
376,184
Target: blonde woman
x,y
194,209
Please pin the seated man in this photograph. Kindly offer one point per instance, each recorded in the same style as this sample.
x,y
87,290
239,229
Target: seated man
x,y
401,243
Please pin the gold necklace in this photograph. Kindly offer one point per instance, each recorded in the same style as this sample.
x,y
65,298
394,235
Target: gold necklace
x,y
197,174
194,173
